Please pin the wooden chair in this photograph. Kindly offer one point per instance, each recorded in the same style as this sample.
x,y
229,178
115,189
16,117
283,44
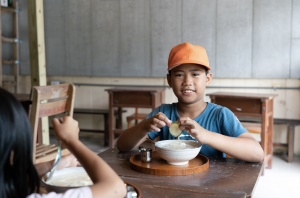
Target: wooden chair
x,y
136,116
48,101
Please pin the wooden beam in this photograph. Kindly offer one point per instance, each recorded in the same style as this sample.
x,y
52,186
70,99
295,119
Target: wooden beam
x,y
37,52
36,42
16,46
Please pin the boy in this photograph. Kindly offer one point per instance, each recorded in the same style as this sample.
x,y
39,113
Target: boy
x,y
214,126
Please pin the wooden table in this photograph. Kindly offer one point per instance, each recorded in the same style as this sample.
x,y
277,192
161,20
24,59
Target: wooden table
x,y
131,97
252,105
225,177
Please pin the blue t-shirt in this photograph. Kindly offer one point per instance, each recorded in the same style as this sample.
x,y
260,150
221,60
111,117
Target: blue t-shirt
x,y
214,118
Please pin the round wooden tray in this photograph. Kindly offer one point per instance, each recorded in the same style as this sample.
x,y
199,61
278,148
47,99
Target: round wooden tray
x,y
159,166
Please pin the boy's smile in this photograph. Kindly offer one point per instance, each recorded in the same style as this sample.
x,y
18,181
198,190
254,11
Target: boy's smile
x,y
188,92
188,82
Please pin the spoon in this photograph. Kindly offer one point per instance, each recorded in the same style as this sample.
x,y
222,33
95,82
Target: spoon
x,y
57,159
150,141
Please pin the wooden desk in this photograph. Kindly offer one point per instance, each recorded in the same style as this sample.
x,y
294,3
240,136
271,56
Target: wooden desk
x,y
252,105
131,97
105,114
225,177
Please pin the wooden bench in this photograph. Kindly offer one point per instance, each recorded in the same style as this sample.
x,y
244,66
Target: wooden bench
x,y
105,113
291,124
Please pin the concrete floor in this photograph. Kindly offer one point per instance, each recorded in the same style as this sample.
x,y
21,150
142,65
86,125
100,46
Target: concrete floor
x,y
282,181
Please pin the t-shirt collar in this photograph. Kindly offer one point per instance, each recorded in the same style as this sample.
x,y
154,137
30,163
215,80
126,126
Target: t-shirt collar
x,y
197,118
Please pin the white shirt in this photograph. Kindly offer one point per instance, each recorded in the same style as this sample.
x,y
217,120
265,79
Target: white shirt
x,y
83,192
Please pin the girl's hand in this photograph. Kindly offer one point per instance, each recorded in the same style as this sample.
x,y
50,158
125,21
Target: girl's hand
x,y
193,128
156,122
66,128
67,161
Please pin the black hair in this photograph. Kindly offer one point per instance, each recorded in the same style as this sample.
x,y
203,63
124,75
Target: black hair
x,y
18,176
206,71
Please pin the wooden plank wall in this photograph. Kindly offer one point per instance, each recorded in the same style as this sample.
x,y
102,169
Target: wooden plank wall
x,y
244,39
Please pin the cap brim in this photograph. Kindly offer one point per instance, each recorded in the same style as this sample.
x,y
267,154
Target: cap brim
x,y
189,61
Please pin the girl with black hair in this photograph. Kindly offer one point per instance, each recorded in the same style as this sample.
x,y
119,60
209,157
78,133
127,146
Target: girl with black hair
x,y
19,178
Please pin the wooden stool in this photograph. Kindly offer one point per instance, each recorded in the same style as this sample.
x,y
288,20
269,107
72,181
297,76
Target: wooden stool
x,y
136,116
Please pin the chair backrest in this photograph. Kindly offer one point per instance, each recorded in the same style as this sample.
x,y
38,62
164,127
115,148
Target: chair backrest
x,y
50,100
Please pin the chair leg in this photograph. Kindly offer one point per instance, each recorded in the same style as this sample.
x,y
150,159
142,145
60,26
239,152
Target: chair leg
x,y
111,122
263,169
136,114
129,124
119,121
262,172
270,141
106,130
291,142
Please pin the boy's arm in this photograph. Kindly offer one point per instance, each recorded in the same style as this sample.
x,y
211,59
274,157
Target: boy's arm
x,y
244,147
134,136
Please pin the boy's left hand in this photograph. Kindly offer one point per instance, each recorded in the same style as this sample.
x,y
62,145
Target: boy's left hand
x,y
192,128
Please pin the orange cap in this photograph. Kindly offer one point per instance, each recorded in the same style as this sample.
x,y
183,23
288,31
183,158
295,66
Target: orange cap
x,y
187,53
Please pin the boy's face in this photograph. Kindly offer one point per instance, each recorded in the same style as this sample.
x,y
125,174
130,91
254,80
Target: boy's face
x,y
188,82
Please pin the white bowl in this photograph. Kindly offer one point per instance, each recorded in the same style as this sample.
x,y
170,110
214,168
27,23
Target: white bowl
x,y
66,172
177,156
74,171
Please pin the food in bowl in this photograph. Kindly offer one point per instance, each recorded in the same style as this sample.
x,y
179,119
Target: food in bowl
x,y
65,179
177,152
72,180
180,145
60,181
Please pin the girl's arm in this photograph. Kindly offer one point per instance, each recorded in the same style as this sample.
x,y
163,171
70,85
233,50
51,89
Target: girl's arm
x,y
106,182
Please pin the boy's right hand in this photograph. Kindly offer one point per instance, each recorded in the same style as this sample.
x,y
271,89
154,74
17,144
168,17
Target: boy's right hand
x,y
65,128
156,122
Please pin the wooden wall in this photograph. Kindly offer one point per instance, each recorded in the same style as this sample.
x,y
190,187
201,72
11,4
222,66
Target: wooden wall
x,y
132,38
